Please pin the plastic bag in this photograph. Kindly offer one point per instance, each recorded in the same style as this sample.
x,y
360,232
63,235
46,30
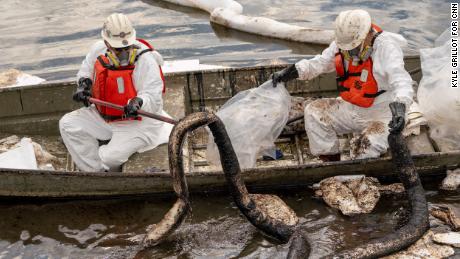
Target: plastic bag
x,y
438,101
253,119
21,157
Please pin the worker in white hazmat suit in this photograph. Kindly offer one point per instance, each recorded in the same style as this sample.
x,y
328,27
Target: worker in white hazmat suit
x,y
122,70
371,79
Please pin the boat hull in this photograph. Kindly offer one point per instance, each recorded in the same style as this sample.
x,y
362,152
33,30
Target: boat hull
x,y
81,185
36,110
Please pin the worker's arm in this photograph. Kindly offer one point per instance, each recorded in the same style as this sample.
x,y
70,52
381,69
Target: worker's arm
x,y
85,74
87,66
390,59
399,80
148,82
324,63
307,69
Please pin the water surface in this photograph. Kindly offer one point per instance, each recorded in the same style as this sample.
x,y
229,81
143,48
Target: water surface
x,y
50,38
216,229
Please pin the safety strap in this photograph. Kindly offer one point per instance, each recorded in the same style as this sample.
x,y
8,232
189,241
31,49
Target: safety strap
x,y
146,43
108,66
374,95
345,77
111,118
141,53
151,48
375,37
341,88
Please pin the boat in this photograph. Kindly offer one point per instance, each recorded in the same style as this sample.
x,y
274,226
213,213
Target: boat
x,y
35,111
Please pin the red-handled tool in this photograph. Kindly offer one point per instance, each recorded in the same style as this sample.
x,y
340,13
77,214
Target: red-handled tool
x,y
140,112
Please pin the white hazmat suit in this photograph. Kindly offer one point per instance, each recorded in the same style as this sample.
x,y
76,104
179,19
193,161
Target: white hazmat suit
x,y
326,118
81,129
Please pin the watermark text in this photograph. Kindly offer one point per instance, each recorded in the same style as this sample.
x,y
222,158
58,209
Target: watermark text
x,y
454,44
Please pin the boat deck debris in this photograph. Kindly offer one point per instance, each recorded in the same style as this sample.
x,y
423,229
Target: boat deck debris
x,y
452,180
13,77
447,214
49,152
424,248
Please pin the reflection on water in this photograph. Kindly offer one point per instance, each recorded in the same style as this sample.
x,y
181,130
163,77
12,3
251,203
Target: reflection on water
x,y
216,229
50,38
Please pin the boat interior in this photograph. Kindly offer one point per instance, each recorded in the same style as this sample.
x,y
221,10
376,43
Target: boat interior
x,y
34,111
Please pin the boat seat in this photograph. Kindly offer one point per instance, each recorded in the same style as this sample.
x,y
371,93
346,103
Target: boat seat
x,y
154,160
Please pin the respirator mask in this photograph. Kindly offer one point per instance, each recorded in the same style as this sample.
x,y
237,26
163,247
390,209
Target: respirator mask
x,y
121,57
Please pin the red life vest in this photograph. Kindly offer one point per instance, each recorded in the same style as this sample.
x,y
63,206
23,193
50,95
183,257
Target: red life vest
x,y
357,85
115,85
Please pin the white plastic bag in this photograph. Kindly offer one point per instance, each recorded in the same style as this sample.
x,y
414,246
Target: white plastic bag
x,y
253,119
21,157
438,101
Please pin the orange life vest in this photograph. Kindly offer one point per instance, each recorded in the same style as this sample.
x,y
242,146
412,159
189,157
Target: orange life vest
x,y
357,84
115,85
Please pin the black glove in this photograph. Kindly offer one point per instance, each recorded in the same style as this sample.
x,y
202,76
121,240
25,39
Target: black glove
x,y
83,91
398,110
133,106
285,75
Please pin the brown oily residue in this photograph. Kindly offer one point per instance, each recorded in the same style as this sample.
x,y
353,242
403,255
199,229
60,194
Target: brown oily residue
x,y
323,107
375,127
360,144
276,208
324,104
447,215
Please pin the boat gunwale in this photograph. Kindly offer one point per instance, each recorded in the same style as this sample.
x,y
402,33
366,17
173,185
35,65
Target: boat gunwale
x,y
166,174
51,84
58,83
